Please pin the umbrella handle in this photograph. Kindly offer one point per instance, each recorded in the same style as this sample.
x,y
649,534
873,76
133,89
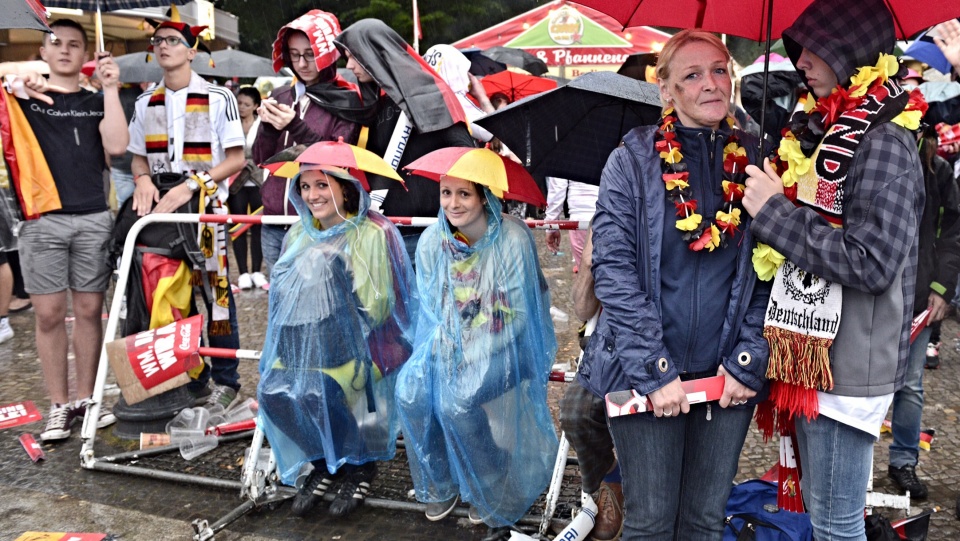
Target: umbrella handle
x,y
98,27
766,76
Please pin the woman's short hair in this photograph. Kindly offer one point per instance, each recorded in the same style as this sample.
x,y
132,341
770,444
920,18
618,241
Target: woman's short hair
x,y
682,39
251,93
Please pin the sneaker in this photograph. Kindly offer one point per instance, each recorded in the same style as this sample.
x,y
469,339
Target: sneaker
x,y
354,490
221,397
438,510
200,397
499,534
58,424
312,491
259,280
933,356
104,419
609,523
6,332
474,516
244,282
906,478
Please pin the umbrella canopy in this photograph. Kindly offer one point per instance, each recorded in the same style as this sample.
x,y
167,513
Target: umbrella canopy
x,y
134,68
748,18
505,178
26,14
516,85
109,5
234,63
339,154
570,131
482,65
517,58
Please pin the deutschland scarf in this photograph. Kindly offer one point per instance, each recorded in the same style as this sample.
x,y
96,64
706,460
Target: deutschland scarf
x,y
803,313
197,157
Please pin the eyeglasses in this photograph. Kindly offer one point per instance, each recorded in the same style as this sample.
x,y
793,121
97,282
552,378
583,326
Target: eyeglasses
x,y
295,57
171,41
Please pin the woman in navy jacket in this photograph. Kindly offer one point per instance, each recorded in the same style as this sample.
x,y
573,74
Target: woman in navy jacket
x,y
680,297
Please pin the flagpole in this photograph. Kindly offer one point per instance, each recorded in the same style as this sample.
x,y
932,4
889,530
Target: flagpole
x,y
416,27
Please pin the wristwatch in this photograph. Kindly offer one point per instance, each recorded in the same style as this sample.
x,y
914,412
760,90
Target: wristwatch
x,y
192,184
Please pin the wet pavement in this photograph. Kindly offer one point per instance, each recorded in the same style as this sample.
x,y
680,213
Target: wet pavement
x,y
58,495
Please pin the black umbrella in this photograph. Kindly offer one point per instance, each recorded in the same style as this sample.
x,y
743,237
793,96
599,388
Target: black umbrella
x,y
99,6
517,58
570,131
26,14
230,63
482,65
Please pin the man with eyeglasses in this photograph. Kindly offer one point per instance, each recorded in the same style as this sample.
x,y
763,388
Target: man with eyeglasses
x,y
187,126
62,245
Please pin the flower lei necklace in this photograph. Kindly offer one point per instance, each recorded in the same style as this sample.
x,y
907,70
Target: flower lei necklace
x,y
805,130
700,234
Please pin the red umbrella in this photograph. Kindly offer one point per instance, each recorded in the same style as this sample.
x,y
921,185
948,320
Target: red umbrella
x,y
748,18
516,85
506,178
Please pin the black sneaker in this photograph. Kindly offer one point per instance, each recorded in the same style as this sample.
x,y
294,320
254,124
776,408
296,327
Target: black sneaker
x,y
474,516
438,510
58,424
906,478
354,490
312,491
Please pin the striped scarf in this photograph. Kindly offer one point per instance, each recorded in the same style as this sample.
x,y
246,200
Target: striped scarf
x,y
197,157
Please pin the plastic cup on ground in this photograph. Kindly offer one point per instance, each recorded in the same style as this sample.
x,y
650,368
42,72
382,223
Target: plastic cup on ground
x,y
191,448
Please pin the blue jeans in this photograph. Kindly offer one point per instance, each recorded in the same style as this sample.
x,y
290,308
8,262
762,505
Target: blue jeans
x,y
908,406
223,370
271,240
836,461
123,185
678,471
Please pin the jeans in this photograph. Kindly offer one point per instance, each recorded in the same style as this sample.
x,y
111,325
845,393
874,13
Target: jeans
x,y
271,240
123,184
223,370
836,461
678,471
410,240
908,406
583,418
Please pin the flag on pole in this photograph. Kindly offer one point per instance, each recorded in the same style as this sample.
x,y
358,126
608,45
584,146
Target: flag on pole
x,y
417,32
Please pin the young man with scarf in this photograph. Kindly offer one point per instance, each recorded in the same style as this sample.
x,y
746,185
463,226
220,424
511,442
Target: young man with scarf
x,y
63,247
415,112
188,126
843,210
318,106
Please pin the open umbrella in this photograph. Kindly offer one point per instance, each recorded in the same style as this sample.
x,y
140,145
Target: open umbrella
x,y
234,63
505,178
517,58
134,68
109,5
339,154
516,86
570,131
25,14
748,18
482,65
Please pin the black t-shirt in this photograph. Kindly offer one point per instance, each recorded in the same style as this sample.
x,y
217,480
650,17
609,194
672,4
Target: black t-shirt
x,y
69,135
423,198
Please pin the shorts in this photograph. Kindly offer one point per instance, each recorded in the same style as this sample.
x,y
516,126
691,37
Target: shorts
x,y
61,251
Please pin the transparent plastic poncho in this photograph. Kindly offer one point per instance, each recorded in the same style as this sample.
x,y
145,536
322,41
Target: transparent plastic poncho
x,y
342,311
473,397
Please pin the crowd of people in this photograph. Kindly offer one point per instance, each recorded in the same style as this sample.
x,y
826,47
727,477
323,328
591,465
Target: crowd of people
x,y
794,276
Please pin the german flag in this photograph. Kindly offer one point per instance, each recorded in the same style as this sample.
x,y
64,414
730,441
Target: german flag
x,y
166,288
29,171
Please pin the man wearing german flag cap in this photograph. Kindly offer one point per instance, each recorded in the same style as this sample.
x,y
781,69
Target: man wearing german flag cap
x,y
187,126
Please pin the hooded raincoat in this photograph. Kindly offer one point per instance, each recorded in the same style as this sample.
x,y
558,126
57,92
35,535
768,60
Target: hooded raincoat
x,y
409,85
473,397
341,323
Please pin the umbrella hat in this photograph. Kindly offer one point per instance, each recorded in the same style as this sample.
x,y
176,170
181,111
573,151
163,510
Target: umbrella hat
x,y
505,178
338,154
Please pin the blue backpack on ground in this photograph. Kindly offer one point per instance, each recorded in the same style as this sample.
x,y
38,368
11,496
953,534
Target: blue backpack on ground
x,y
753,515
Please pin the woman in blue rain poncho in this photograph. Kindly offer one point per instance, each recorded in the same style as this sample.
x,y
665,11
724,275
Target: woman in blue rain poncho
x,y
473,397
342,303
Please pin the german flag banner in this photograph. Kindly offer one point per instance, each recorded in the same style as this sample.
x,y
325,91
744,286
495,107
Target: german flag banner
x,y
29,171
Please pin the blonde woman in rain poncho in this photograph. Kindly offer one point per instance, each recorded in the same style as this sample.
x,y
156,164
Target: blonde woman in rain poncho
x,y
473,397
340,324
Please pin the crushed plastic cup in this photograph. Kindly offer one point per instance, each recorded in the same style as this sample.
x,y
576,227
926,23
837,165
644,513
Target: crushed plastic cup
x,y
560,319
193,447
242,412
190,418
180,434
